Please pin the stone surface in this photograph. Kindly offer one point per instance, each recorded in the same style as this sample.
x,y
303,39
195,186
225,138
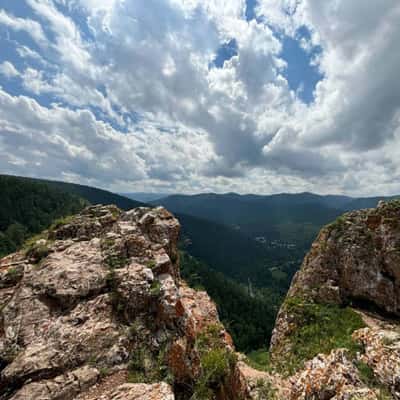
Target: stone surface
x,y
331,376
157,391
64,387
97,301
382,354
97,294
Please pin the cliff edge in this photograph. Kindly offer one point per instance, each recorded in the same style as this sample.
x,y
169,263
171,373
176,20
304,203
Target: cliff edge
x,y
337,334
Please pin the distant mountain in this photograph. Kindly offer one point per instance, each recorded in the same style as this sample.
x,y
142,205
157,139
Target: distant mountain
x,y
287,218
234,254
144,197
366,202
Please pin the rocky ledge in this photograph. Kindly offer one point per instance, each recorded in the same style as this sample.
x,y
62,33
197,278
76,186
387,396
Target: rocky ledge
x,y
94,308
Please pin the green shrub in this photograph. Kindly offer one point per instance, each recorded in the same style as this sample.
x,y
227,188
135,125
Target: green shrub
x,y
260,359
150,264
338,223
155,288
59,222
320,328
368,377
104,371
366,373
265,391
13,273
216,362
116,261
117,301
37,252
146,366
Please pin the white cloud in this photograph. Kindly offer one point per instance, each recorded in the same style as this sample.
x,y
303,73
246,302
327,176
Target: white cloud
x,y
52,143
146,68
8,70
31,27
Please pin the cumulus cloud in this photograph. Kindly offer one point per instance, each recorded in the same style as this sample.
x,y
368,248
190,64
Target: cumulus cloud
x,y
126,91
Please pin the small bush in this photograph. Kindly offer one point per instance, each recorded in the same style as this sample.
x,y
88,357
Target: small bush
x,y
146,366
366,373
338,223
116,261
265,391
13,273
368,377
216,362
58,223
150,264
117,301
104,371
155,288
37,252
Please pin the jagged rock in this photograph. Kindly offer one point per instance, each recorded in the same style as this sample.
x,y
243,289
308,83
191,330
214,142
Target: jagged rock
x,y
258,385
96,294
330,377
382,354
100,295
69,275
64,387
157,391
356,260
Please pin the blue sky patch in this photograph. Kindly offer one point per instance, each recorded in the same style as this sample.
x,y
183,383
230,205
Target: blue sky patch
x,y
250,9
225,53
300,74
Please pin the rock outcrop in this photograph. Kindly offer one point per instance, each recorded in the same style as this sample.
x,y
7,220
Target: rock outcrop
x,y
95,308
345,303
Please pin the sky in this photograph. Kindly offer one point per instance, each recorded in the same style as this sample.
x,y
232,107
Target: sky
x,y
196,96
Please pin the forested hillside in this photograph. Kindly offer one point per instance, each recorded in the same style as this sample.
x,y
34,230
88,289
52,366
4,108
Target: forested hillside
x,y
28,207
94,195
231,252
248,313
